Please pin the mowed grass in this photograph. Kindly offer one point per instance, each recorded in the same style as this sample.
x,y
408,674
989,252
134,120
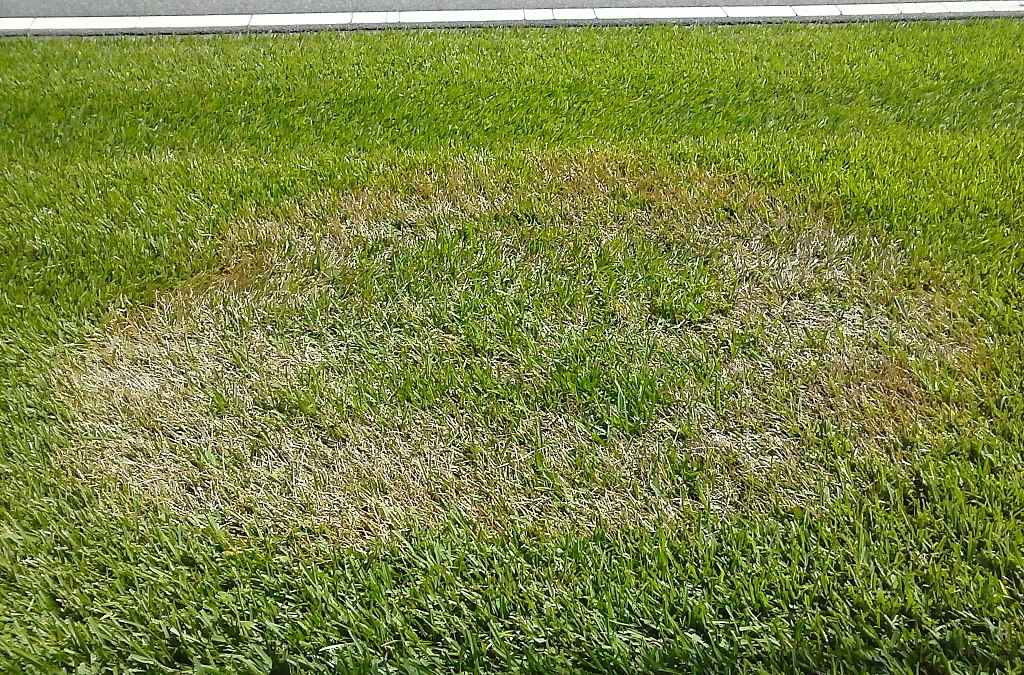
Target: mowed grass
x,y
619,350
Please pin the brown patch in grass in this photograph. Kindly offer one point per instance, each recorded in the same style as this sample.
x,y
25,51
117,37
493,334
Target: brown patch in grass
x,y
322,380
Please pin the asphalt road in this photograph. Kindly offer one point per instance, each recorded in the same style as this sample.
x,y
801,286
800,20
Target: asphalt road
x,y
12,8
76,17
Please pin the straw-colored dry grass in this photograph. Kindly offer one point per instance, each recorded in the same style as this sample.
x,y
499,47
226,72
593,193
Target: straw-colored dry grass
x,y
568,343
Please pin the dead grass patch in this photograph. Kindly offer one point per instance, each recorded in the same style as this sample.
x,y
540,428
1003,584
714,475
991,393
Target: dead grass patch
x,y
561,344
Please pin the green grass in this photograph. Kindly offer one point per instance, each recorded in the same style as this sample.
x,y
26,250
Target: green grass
x,y
619,350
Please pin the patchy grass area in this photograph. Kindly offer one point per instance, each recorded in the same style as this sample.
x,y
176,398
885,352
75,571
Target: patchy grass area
x,y
553,351
594,342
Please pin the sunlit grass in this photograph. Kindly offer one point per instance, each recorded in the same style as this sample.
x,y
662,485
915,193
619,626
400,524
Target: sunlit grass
x,y
607,350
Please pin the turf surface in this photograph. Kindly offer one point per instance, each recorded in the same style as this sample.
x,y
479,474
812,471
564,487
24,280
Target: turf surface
x,y
616,350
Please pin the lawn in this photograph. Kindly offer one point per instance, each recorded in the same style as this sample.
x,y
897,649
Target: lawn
x,y
574,350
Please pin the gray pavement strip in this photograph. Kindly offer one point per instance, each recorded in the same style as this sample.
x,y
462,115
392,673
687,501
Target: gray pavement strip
x,y
616,13
62,8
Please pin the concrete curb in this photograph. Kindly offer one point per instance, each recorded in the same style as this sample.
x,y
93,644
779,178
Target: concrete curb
x,y
741,14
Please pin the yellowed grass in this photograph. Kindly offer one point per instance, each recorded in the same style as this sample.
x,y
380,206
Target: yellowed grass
x,y
169,402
